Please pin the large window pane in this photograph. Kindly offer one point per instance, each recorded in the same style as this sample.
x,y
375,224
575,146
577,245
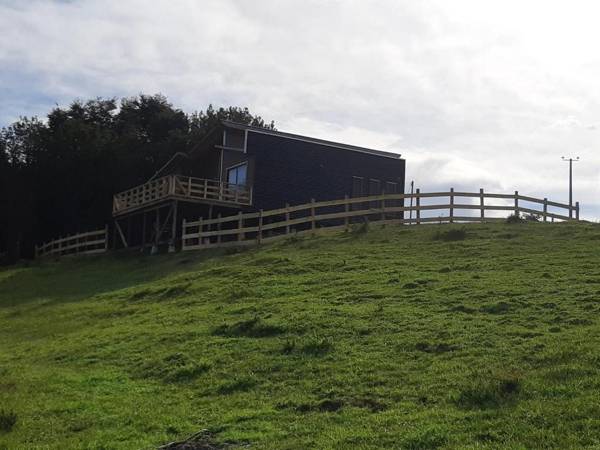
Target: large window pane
x,y
237,175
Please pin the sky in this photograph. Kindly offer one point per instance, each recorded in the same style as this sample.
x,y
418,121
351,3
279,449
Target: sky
x,y
473,94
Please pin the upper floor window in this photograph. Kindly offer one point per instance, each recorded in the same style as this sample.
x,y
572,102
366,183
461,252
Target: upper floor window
x,y
234,138
238,174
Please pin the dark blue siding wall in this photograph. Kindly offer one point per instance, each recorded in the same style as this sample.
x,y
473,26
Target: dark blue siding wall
x,y
293,171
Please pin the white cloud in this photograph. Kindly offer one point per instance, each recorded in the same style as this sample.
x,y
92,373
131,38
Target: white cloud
x,y
472,93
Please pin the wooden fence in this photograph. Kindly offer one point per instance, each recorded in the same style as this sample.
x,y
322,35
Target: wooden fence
x,y
88,243
261,226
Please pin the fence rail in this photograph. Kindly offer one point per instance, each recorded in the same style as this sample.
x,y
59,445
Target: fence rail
x,y
182,188
88,243
261,226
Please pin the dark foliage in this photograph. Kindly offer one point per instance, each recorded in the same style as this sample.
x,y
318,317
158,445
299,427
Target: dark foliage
x,y
58,176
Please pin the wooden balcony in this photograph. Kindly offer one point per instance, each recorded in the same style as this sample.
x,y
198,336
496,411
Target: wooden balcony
x,y
178,187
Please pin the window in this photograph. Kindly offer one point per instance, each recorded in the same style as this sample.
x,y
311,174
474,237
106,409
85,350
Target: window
x,y
234,138
237,175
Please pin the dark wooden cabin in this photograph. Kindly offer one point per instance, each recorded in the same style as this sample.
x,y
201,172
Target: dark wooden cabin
x,y
238,167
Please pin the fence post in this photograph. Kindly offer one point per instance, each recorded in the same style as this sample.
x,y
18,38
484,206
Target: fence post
x,y
576,210
312,214
200,227
517,203
383,205
451,205
346,210
183,233
545,214
240,227
418,205
219,228
260,223
287,218
205,188
481,205
106,237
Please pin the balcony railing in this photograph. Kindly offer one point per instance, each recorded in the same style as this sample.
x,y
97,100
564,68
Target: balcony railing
x,y
182,188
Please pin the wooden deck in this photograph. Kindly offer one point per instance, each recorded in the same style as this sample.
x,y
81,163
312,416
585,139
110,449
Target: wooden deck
x,y
178,187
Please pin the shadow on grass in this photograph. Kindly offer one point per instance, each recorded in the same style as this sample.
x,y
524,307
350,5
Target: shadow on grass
x,y
74,278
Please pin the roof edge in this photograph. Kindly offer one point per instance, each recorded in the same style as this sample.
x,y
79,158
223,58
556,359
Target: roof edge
x,y
318,141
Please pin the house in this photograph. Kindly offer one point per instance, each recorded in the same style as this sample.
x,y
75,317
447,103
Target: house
x,y
239,167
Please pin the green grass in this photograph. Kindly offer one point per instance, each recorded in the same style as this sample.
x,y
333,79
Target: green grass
x,y
394,337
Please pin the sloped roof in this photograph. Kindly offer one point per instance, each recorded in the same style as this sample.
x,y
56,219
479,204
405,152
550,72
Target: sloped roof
x,y
299,137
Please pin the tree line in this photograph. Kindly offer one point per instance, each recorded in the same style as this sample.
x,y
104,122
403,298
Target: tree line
x,y
58,175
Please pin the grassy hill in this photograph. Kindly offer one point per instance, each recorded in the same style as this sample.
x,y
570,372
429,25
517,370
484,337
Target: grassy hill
x,y
421,337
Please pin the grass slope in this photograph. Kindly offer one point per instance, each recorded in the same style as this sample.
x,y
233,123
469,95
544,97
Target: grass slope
x,y
394,338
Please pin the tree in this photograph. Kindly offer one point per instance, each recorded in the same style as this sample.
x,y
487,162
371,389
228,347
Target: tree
x,y
202,122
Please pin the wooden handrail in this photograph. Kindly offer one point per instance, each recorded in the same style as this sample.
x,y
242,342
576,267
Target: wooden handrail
x,y
183,188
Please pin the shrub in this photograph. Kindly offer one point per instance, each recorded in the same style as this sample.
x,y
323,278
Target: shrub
x,y
514,218
459,234
531,218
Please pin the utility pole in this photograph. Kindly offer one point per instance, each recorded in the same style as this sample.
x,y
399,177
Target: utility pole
x,y
570,183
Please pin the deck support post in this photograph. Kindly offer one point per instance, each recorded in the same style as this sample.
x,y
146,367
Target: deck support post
x,y
143,231
173,240
118,228
154,249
